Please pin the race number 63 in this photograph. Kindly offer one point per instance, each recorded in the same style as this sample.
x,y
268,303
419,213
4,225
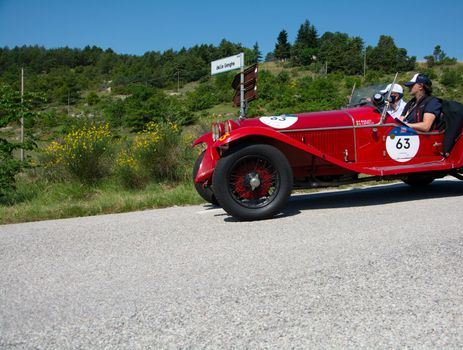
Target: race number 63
x,y
405,145
401,145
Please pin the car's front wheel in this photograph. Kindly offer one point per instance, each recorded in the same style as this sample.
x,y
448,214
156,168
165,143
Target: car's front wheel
x,y
253,182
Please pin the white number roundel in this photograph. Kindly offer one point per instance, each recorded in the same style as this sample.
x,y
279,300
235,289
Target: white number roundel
x,y
402,144
279,122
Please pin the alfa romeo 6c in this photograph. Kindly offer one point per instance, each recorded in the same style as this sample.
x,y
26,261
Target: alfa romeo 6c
x,y
250,166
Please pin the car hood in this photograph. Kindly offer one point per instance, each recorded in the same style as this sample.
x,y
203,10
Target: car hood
x,y
327,119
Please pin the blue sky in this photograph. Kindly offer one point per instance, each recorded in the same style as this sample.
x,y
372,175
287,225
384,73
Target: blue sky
x,y
137,26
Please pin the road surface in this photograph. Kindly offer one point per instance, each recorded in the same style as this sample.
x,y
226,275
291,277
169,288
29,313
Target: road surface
x,y
378,267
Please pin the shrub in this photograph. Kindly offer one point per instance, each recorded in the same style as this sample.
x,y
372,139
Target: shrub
x,y
12,108
129,172
8,170
203,97
157,153
450,78
430,72
83,154
174,155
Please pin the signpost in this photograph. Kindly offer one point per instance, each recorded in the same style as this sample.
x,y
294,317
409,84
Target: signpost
x,y
230,63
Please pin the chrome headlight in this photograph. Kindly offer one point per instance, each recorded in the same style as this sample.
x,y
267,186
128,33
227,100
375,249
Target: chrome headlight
x,y
227,126
215,132
230,125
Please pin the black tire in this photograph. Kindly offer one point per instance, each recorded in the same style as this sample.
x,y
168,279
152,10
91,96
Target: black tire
x,y
419,180
205,192
458,174
253,182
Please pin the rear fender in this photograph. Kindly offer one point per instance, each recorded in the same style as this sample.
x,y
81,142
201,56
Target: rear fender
x,y
456,154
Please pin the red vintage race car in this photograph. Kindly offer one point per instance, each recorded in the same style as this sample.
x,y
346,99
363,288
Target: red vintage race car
x,y
250,166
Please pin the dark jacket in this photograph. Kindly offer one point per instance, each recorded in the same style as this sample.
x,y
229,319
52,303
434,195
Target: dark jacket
x,y
415,111
452,122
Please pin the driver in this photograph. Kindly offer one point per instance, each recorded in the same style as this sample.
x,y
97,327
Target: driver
x,y
397,104
423,110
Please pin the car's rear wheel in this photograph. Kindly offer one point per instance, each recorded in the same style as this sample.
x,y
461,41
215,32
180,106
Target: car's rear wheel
x,y
419,180
253,182
458,174
204,191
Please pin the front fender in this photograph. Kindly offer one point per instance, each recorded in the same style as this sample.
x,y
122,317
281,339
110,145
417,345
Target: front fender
x,y
206,138
211,156
207,166
246,132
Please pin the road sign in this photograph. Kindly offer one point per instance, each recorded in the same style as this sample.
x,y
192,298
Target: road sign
x,y
250,74
250,93
228,63
250,85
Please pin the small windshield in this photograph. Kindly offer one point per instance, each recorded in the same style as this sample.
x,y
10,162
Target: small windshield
x,y
364,94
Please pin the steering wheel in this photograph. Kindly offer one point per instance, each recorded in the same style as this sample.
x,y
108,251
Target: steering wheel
x,y
363,101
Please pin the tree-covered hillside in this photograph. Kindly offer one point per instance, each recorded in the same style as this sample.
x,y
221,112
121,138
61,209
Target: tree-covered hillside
x,y
314,72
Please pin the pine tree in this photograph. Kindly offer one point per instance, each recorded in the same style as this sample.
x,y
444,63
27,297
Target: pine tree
x,y
305,47
439,57
341,52
257,54
282,47
313,37
388,58
438,54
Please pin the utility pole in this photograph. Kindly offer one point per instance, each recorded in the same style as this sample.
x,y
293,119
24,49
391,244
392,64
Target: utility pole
x,y
22,115
365,63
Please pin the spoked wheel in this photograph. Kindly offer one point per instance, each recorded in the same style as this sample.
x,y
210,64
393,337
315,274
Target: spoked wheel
x,y
204,191
253,183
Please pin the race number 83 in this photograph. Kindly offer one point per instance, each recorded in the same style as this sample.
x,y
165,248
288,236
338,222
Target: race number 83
x,y
402,145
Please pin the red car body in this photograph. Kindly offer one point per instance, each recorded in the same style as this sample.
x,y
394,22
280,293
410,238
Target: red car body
x,y
323,149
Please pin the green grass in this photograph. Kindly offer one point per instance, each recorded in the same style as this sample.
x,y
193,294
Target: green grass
x,y
224,108
37,200
40,200
277,67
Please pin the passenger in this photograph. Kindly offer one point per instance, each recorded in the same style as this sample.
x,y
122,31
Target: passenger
x,y
423,110
398,104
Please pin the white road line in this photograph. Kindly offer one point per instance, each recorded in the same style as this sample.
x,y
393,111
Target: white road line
x,y
209,211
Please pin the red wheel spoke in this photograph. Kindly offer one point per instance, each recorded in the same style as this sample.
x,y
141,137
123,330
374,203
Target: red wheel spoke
x,y
258,170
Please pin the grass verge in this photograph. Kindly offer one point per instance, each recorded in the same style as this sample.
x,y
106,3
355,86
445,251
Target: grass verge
x,y
43,201
40,200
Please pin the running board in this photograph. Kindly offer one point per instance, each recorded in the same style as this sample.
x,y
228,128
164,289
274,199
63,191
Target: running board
x,y
412,168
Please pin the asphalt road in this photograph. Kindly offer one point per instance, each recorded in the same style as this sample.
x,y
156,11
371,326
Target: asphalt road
x,y
365,268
